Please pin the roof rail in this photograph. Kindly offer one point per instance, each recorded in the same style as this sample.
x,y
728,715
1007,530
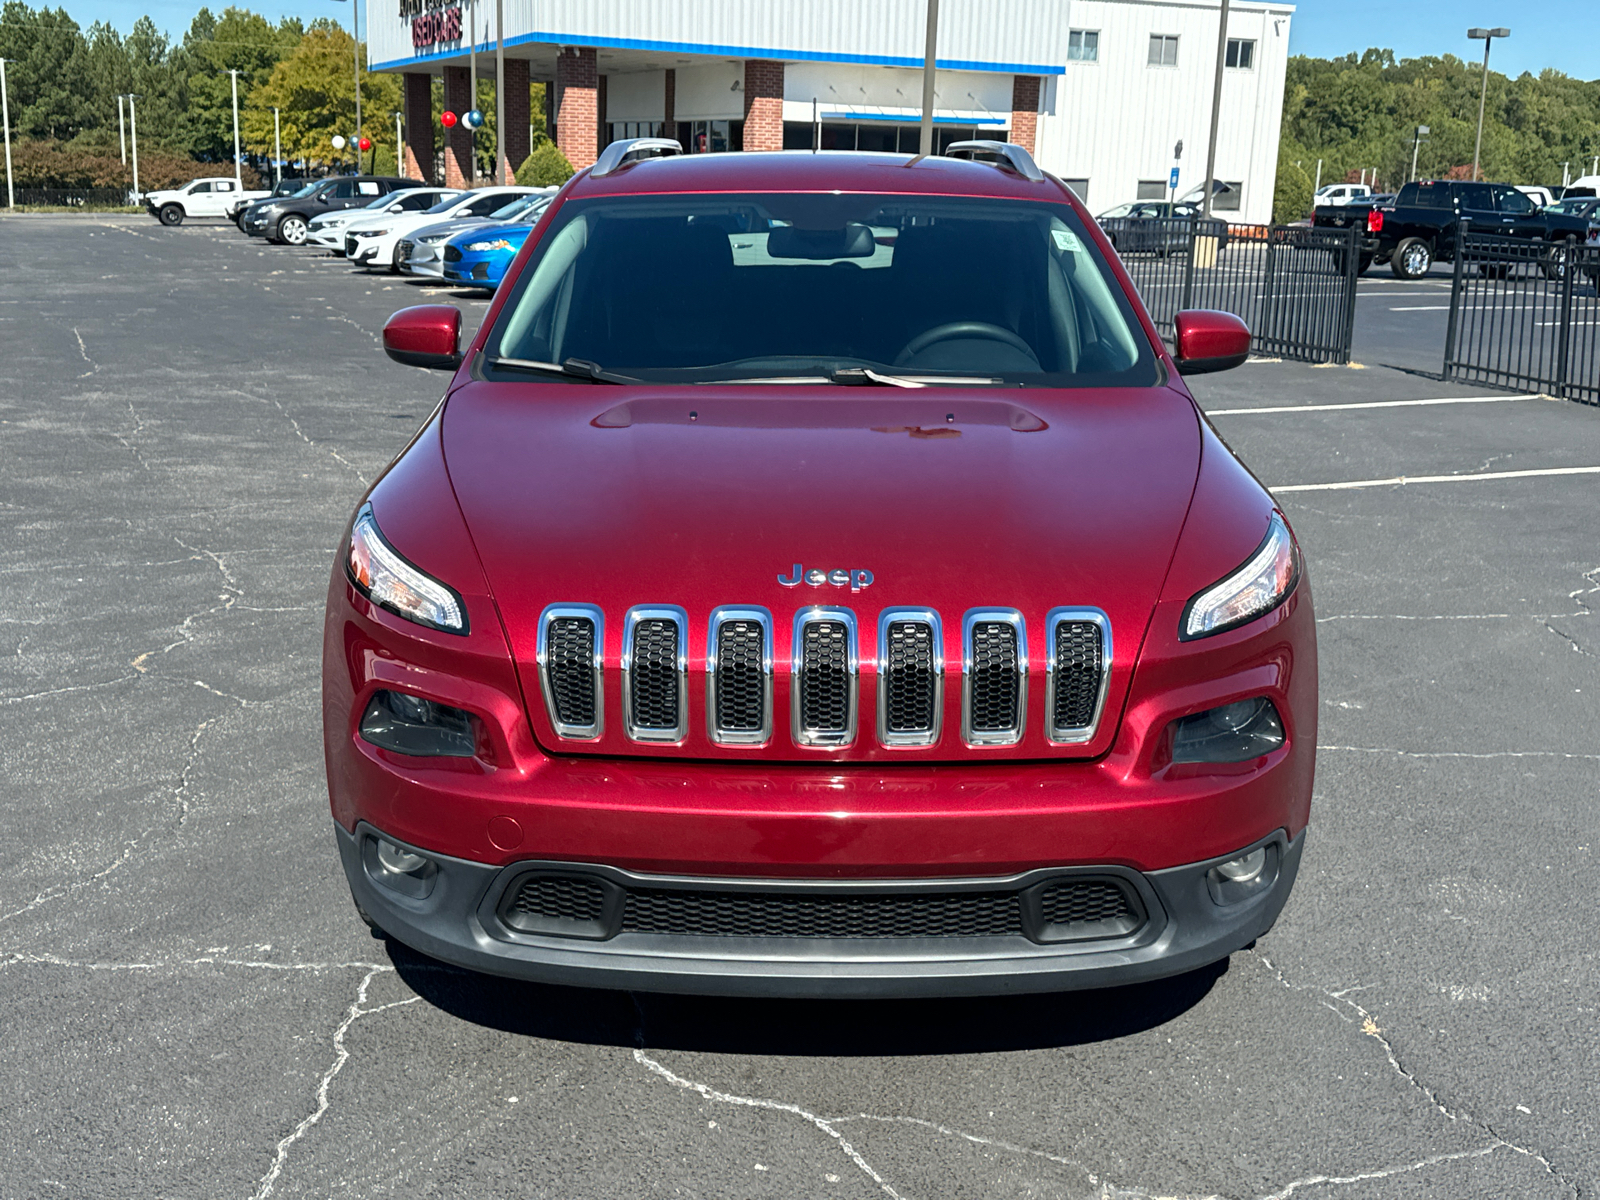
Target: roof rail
x,y
619,154
1006,155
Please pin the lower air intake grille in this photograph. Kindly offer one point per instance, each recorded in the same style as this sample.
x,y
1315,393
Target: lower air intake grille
x,y
569,666
909,678
559,898
653,681
743,914
402,252
1078,668
994,680
825,680
741,677
452,254
1080,909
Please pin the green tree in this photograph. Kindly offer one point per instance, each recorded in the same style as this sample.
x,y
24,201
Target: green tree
x,y
314,89
240,40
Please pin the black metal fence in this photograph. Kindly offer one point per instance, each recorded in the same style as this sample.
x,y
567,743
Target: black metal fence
x,y
1293,285
1526,314
76,197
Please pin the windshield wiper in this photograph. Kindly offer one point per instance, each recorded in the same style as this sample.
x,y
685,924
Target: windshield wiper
x,y
575,368
867,377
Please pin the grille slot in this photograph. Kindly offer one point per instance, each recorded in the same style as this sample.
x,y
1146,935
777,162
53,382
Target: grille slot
x,y
910,677
694,913
995,680
824,708
739,676
1079,673
654,661
1082,909
452,254
569,669
565,905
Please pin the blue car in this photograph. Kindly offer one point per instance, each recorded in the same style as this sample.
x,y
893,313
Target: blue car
x,y
478,258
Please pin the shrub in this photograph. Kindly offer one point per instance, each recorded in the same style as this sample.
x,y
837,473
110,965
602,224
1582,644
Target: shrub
x,y
545,167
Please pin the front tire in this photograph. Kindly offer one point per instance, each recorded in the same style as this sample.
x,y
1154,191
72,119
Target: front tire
x,y
1555,262
1413,258
171,214
292,231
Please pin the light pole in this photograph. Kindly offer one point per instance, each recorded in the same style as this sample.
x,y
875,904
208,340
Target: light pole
x,y
499,92
277,151
122,131
133,136
5,119
1416,144
929,56
1216,107
355,32
1487,36
238,171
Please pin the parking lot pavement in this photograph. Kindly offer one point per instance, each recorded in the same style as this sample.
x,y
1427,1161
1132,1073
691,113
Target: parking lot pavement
x,y
193,1009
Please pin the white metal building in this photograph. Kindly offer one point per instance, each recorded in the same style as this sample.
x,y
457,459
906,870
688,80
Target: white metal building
x,y
1100,90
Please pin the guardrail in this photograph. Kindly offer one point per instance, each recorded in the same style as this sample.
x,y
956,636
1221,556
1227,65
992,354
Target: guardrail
x,y
1525,314
1295,286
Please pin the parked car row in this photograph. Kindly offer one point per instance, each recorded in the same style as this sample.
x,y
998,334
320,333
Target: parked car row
x,y
378,222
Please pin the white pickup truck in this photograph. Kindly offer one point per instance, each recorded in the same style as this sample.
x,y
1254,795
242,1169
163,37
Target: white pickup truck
x,y
199,198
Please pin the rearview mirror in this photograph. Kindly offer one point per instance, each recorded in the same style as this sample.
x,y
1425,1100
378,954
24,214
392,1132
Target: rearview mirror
x,y
853,241
1210,341
428,335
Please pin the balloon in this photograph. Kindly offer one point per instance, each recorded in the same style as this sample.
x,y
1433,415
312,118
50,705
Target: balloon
x,y
338,142
475,118
447,119
366,143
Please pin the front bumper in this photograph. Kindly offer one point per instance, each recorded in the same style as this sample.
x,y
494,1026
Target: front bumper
x,y
479,271
327,239
460,920
423,259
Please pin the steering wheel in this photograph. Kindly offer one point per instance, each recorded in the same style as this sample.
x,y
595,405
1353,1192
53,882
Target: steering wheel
x,y
961,329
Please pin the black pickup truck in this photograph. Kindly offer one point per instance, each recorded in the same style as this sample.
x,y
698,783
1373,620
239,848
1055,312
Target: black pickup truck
x,y
1419,226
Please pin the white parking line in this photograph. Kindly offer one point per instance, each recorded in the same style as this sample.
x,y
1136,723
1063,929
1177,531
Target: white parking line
x,y
1422,308
1296,408
1405,481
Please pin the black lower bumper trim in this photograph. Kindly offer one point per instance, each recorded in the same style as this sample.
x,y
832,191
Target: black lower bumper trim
x,y
459,920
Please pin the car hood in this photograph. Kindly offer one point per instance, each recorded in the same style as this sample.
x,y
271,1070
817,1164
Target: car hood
x,y
952,500
516,233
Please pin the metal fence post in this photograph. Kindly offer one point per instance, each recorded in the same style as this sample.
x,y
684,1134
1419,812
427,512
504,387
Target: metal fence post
x,y
1268,277
1569,268
1352,272
1188,267
1453,328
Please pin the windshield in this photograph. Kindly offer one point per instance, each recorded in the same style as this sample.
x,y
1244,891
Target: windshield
x,y
518,207
305,191
447,203
797,287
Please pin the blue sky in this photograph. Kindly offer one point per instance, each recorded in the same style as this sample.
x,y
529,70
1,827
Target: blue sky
x,y
1564,34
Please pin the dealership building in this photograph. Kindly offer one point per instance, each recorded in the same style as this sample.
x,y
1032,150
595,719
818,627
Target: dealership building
x,y
1101,91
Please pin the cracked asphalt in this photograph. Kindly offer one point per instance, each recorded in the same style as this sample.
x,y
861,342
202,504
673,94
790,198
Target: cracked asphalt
x,y
192,1008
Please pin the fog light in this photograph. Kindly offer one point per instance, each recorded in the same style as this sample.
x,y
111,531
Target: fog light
x,y
1243,869
403,862
1231,733
411,725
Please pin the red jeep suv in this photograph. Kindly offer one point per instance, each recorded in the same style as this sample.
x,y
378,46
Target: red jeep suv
x,y
817,580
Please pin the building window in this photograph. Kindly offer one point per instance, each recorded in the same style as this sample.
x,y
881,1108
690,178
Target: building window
x,y
1151,189
621,130
1242,53
1083,45
1080,189
1163,50
1229,197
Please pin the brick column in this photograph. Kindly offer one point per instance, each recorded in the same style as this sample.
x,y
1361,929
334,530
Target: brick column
x,y
418,162
1024,110
669,106
514,111
458,138
763,104
578,121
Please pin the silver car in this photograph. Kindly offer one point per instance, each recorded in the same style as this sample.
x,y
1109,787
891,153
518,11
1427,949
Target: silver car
x,y
421,253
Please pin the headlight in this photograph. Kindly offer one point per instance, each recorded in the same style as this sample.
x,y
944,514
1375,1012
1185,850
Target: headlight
x,y
382,576
482,247
433,239
360,233
1235,732
1263,583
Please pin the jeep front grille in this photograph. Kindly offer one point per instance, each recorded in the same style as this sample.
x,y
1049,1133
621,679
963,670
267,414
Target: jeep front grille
x,y
655,660
910,677
1078,672
994,682
824,705
739,676
570,664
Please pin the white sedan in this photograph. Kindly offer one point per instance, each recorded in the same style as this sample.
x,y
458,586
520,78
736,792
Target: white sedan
x,y
421,252
370,242
327,231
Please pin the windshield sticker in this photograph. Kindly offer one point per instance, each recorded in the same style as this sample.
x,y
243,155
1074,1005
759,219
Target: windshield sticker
x,y
1067,240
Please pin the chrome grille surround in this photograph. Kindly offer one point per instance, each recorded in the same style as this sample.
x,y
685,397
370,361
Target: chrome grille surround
x,y
836,734
735,615
582,612
978,623
887,620
1069,734
647,674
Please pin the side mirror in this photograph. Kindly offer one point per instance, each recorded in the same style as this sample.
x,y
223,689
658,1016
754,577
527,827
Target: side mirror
x,y
428,335
1210,341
